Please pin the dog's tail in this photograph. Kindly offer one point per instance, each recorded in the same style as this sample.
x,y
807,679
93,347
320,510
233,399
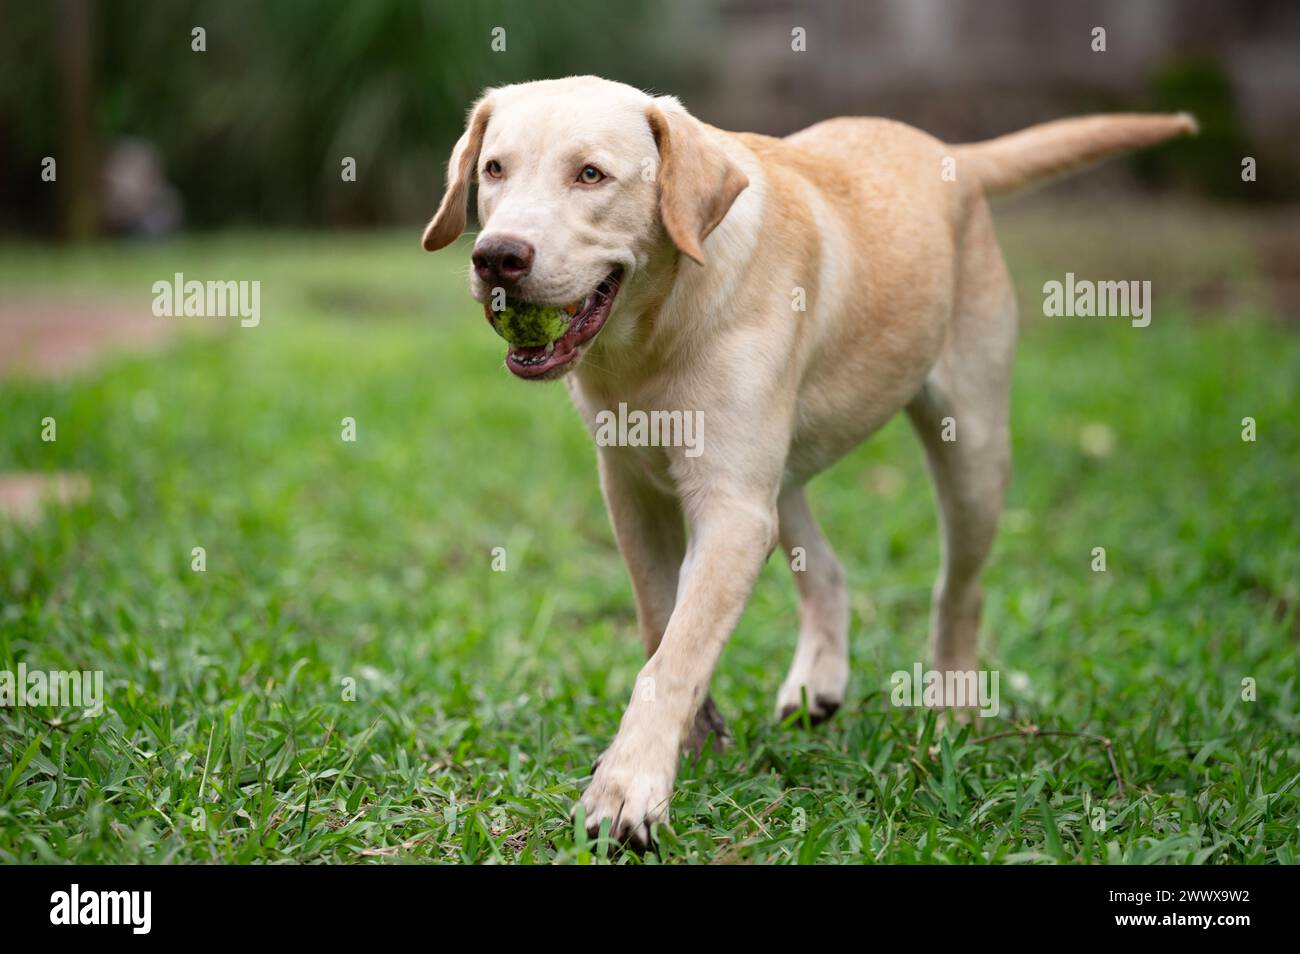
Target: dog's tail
x,y
1054,149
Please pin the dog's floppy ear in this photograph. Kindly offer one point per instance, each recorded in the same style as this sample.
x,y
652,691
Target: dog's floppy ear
x,y
449,221
697,182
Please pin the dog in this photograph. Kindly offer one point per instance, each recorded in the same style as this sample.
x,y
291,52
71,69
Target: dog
x,y
793,293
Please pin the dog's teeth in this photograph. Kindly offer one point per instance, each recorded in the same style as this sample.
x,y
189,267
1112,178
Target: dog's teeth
x,y
550,348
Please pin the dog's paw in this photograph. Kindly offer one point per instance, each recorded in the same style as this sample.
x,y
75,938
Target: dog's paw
x,y
632,792
708,726
824,688
819,709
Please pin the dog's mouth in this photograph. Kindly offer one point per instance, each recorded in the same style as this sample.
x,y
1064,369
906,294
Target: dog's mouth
x,y
587,317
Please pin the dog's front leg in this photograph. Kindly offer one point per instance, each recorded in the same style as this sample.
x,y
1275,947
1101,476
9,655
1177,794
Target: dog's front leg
x,y
731,534
651,533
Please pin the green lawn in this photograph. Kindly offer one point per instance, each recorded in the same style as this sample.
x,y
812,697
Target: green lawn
x,y
482,698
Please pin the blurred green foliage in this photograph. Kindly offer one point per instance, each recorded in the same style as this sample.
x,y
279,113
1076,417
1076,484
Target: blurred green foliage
x,y
254,129
1211,162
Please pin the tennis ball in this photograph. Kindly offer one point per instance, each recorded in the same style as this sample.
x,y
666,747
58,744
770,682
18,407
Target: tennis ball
x,y
530,326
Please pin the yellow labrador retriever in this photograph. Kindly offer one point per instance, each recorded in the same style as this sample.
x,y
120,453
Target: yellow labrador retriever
x,y
792,295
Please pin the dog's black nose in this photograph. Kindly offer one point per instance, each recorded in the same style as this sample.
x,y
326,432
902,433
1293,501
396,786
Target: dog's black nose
x,y
502,258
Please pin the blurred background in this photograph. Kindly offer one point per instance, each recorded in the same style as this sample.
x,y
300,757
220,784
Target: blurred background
x,y
127,156
151,136
152,121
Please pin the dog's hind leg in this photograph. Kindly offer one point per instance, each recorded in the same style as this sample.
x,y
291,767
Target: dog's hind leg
x,y
820,670
962,418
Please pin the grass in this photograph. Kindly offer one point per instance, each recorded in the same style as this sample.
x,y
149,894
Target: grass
x,y
350,681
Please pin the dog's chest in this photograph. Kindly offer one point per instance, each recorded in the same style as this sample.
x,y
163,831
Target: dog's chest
x,y
652,462
641,435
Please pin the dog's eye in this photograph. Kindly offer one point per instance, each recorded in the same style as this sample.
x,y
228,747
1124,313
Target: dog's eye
x,y
590,175
492,169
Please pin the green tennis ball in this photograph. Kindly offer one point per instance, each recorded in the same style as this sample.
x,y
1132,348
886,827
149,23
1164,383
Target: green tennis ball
x,y
530,326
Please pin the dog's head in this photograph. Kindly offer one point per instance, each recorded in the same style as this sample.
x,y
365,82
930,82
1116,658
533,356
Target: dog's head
x,y
582,183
